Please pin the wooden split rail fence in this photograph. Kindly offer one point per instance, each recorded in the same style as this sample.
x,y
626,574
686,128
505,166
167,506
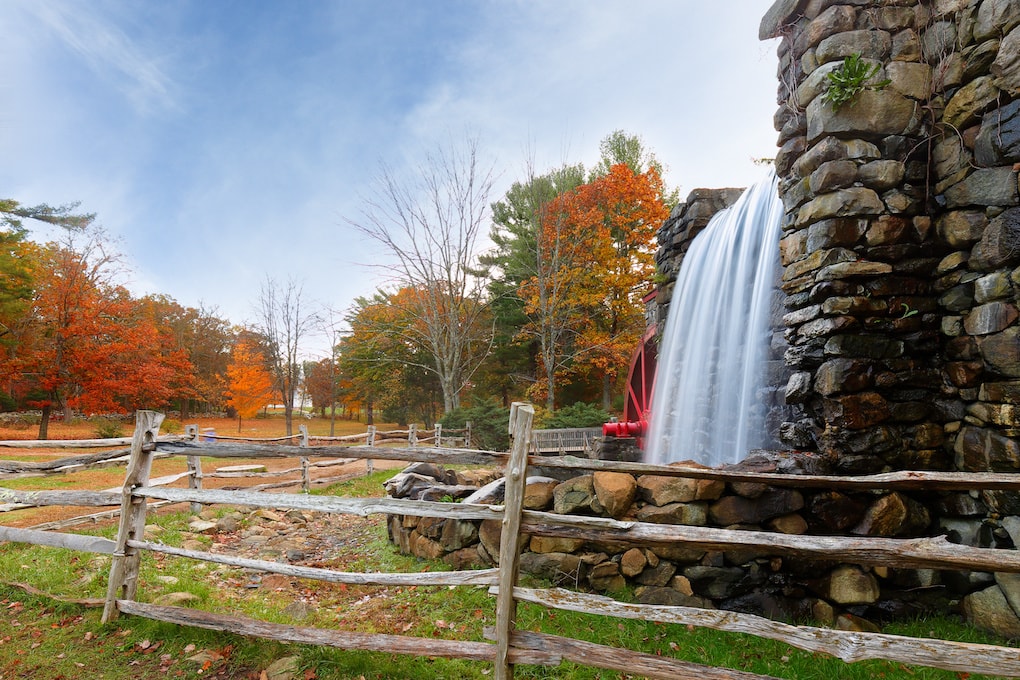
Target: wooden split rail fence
x,y
507,645
120,456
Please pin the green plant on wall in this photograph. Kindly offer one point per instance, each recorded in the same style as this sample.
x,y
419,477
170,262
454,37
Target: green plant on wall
x,y
848,80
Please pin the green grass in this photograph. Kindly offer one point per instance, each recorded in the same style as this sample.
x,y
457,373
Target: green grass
x,y
46,640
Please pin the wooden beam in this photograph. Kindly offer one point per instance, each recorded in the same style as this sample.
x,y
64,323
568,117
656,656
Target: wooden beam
x,y
92,544
849,646
351,506
916,553
903,480
626,661
372,642
471,577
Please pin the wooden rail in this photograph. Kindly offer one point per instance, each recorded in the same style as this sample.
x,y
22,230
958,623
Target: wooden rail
x,y
507,645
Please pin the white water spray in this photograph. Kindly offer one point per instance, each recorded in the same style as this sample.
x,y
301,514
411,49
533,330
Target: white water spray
x,y
712,364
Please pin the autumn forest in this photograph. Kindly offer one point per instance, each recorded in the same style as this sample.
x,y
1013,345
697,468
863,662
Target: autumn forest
x,y
536,294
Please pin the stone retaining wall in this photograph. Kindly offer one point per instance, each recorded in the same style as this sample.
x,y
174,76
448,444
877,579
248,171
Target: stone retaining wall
x,y
846,595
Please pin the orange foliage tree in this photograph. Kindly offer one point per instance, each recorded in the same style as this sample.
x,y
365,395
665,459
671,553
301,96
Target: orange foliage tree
x,y
249,384
603,233
86,343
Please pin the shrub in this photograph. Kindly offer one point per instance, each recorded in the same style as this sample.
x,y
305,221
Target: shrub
x,y
107,428
578,414
171,426
488,424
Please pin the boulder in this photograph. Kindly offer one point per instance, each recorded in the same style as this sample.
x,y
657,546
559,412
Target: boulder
x,y
574,495
894,514
1006,67
849,584
693,514
738,510
661,490
985,186
615,492
538,492
989,610
633,562
998,140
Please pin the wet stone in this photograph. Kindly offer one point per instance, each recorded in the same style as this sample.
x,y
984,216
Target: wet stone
x,y
991,317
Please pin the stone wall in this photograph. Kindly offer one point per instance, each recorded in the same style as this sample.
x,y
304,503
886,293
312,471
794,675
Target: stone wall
x,y
903,232
846,595
977,82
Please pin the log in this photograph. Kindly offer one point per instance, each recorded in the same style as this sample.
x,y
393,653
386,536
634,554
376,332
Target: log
x,y
849,646
92,544
86,499
625,660
15,466
82,601
902,480
227,469
372,642
916,553
82,519
442,456
79,443
475,577
351,506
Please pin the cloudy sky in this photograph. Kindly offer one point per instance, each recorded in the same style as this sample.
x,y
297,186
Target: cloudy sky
x,y
224,142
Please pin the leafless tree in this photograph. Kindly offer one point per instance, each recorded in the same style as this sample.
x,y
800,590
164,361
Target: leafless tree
x,y
284,321
430,225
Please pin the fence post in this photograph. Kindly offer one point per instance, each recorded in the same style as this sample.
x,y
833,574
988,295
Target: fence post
x,y
521,416
124,568
370,441
412,434
306,482
194,467
467,434
439,435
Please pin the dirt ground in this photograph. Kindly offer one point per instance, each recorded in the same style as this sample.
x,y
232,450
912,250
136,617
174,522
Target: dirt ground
x,y
113,477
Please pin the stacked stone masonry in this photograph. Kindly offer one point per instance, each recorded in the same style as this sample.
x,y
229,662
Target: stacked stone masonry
x,y
848,596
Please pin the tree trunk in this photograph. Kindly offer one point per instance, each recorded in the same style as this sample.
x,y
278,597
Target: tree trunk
x,y
550,396
44,422
369,414
288,416
607,393
238,423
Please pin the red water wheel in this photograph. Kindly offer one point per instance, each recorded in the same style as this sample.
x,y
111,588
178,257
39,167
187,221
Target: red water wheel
x,y
637,402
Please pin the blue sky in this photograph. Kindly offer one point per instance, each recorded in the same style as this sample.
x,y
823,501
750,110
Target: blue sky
x,y
226,141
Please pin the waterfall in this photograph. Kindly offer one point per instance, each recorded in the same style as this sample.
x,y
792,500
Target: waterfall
x,y
710,386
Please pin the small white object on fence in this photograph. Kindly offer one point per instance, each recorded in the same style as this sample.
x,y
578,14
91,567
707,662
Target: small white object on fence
x,y
370,441
195,468
306,484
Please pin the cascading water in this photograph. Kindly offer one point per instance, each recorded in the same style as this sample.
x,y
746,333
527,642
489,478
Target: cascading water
x,y
707,404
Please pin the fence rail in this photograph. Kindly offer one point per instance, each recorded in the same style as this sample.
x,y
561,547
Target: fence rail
x,y
506,645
